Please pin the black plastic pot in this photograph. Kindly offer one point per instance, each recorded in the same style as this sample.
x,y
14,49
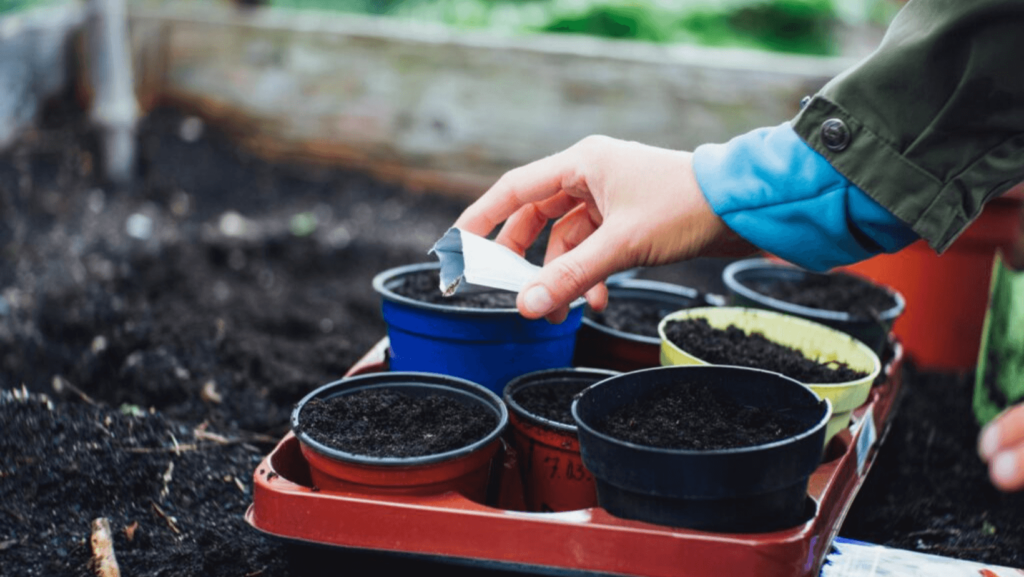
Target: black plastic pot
x,y
554,478
749,489
598,345
741,277
465,470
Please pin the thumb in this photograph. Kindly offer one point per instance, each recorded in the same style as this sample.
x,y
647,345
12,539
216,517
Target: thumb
x,y
572,274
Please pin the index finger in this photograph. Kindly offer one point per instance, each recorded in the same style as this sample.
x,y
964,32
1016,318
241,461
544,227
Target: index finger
x,y
518,187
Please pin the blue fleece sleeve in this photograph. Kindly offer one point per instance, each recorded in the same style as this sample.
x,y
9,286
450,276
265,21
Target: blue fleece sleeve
x,y
775,191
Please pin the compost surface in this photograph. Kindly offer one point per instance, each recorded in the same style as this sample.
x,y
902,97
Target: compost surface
x,y
695,417
383,423
551,400
634,316
733,346
832,292
425,287
243,286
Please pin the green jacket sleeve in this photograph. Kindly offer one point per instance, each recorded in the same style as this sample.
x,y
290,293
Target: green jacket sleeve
x,y
931,125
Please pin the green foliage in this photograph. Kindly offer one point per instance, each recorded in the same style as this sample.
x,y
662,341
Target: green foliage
x,y
8,6
800,26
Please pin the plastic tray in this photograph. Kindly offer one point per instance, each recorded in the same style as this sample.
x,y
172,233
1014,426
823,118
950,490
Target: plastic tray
x,y
449,527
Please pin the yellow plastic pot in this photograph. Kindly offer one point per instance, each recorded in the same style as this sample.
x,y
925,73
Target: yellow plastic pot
x,y
814,340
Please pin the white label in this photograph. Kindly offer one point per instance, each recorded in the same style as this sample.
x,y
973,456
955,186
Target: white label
x,y
866,440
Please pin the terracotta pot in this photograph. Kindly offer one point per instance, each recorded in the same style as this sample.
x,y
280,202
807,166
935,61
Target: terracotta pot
x,y
465,470
599,345
554,478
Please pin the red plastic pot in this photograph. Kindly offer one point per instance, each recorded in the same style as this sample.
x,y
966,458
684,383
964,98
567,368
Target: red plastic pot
x,y
946,295
598,345
554,478
465,470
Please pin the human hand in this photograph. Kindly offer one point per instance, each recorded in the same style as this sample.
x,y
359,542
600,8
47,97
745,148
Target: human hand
x,y
619,204
1001,445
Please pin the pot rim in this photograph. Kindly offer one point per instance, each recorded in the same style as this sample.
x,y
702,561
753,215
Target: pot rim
x,y
876,366
383,380
820,424
656,287
732,283
538,378
381,280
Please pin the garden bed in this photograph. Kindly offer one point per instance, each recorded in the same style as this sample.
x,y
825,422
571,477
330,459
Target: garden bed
x,y
196,308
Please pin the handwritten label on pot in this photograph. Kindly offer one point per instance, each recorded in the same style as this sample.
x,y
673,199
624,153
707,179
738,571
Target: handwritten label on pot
x,y
866,440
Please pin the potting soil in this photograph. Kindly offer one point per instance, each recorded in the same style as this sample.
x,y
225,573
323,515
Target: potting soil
x,y
243,286
831,292
633,316
424,287
694,416
733,346
551,400
383,423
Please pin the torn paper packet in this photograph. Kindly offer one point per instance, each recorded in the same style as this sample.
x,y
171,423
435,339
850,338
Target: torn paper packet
x,y
468,258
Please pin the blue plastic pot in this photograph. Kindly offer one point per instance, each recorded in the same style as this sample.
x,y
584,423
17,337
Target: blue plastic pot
x,y
486,346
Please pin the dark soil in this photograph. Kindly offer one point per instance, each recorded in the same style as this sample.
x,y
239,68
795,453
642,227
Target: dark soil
x,y
695,417
209,332
425,287
553,399
383,423
633,315
928,490
733,346
831,292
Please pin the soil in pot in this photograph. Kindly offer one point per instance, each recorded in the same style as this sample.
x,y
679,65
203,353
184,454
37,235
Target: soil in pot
x,y
733,346
382,423
695,417
423,286
551,400
633,316
831,292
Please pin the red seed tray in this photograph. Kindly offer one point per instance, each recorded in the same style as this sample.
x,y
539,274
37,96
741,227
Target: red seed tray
x,y
450,527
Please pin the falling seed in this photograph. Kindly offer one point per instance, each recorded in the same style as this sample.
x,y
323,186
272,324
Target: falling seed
x,y
182,373
139,226
326,325
96,200
210,393
221,291
180,203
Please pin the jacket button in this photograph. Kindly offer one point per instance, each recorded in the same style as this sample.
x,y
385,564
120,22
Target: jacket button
x,y
835,135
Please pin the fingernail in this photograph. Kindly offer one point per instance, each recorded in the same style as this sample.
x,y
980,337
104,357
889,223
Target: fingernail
x,y
989,443
1004,469
538,300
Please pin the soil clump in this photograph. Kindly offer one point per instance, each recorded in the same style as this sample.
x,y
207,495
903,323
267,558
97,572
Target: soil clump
x,y
424,287
695,417
551,400
383,423
733,346
831,292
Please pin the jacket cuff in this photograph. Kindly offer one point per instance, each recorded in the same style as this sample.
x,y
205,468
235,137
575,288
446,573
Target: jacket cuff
x,y
772,189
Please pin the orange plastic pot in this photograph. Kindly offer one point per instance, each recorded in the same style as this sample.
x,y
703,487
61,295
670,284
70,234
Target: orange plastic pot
x,y
554,478
598,345
946,295
465,470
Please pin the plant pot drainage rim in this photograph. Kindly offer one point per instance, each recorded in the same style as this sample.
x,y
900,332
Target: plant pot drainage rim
x,y
467,389
790,319
637,286
527,380
819,424
384,280
731,274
